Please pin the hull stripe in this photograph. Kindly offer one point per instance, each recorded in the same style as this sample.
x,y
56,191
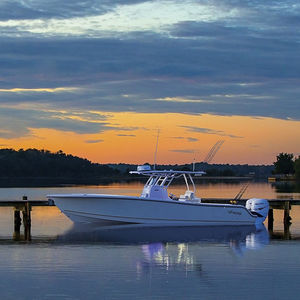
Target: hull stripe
x,y
152,219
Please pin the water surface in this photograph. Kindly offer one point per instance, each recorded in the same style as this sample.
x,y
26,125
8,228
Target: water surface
x,y
63,261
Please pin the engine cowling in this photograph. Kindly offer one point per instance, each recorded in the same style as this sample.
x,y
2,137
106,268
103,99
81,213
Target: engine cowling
x,y
258,207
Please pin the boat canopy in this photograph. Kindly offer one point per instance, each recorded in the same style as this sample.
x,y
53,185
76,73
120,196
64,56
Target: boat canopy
x,y
159,181
166,172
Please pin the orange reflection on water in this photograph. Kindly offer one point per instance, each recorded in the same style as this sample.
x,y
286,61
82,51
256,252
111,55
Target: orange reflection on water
x,y
48,221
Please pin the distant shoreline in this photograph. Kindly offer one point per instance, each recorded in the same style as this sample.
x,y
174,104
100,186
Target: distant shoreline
x,y
33,167
67,181
58,181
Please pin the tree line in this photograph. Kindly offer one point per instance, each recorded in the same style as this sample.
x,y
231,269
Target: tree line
x,y
287,164
43,163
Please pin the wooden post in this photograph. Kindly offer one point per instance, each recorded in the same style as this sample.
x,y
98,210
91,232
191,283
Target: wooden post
x,y
270,219
17,224
287,219
17,219
287,233
27,221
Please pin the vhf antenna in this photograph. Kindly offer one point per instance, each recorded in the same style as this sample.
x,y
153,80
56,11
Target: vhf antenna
x,y
212,152
194,161
156,148
241,192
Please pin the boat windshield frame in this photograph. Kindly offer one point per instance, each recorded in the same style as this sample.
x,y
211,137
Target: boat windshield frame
x,y
164,178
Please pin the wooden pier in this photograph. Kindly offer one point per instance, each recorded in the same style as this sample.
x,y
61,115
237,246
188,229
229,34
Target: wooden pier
x,y
22,212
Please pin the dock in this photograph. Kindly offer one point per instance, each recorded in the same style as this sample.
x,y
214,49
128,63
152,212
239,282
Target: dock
x,y
22,211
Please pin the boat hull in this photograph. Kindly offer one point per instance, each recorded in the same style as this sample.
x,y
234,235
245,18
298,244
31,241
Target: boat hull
x,y
113,209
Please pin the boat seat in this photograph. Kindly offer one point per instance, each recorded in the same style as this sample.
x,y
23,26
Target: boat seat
x,y
188,195
196,200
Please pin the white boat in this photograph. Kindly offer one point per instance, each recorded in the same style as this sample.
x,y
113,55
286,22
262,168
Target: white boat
x,y
156,207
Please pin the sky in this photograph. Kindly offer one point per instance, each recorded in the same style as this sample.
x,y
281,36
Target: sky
x,y
98,79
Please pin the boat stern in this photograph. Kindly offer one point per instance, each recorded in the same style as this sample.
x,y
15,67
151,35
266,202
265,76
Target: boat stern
x,y
258,207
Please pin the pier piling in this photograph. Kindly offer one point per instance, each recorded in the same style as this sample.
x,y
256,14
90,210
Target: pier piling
x,y
27,221
17,219
17,224
287,218
25,209
270,219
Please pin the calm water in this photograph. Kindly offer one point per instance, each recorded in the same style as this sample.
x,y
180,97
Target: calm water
x,y
69,262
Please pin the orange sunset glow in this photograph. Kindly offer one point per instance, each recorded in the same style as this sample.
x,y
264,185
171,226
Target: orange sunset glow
x,y
247,140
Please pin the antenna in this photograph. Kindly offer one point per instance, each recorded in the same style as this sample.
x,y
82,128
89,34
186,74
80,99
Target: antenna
x,y
213,151
194,160
156,149
241,192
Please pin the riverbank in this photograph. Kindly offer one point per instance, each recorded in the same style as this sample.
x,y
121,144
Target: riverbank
x,y
71,181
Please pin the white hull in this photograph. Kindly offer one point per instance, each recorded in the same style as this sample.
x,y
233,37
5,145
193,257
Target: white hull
x,y
114,209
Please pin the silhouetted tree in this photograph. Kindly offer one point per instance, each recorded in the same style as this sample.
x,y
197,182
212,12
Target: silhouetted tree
x,y
284,163
297,167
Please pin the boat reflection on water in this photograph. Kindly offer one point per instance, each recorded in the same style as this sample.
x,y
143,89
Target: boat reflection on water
x,y
251,237
169,247
253,241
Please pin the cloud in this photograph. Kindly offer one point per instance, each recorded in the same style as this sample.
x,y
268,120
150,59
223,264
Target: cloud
x,y
25,119
190,139
126,135
212,57
93,141
130,128
43,9
182,151
209,131
39,90
98,20
158,75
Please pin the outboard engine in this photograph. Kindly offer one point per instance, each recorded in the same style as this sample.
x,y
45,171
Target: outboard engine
x,y
258,207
